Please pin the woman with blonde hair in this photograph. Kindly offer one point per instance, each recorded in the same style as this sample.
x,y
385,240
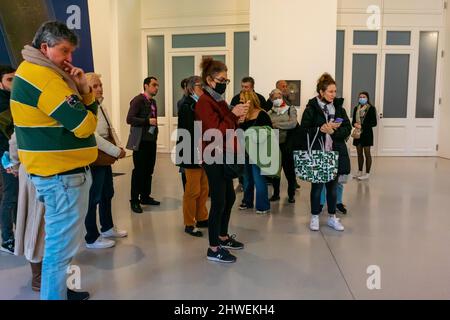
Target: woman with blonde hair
x,y
253,179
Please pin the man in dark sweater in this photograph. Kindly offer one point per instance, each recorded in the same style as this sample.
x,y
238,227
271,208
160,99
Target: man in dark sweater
x,y
143,118
8,208
248,85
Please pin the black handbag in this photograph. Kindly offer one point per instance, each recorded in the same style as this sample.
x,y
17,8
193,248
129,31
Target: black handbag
x,y
234,169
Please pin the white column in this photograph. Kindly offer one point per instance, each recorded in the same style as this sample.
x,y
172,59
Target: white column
x,y
444,112
292,40
115,31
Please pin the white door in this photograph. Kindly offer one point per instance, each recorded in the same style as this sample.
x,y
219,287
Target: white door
x,y
408,97
400,70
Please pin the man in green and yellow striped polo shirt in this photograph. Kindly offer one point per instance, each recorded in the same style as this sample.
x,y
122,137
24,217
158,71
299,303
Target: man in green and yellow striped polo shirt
x,y
55,117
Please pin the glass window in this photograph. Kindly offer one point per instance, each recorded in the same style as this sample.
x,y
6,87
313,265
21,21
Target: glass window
x,y
198,40
426,82
340,46
398,38
241,58
365,38
155,52
182,68
364,76
396,86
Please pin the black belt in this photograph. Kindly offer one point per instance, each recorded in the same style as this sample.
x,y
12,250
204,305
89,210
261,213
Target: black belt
x,y
67,173
74,171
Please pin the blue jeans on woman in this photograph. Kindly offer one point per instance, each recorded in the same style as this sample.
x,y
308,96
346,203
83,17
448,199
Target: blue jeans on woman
x,y
253,179
66,199
339,191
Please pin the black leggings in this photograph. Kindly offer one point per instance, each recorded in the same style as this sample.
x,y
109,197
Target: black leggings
x,y
364,151
222,201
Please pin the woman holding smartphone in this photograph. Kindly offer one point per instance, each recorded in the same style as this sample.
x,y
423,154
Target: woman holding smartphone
x,y
325,113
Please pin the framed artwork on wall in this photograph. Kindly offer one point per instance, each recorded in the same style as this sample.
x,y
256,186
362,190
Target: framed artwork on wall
x,y
294,87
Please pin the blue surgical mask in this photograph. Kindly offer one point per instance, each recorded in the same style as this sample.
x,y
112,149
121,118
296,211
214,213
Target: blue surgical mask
x,y
362,101
195,97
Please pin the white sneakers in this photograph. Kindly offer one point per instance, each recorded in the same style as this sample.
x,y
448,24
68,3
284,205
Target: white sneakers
x,y
101,243
333,223
104,243
314,225
364,177
359,174
114,233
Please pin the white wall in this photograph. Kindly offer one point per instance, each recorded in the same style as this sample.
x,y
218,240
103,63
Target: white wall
x,y
295,40
115,29
156,14
444,116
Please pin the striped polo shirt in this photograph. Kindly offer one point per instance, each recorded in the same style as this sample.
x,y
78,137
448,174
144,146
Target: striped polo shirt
x,y
54,128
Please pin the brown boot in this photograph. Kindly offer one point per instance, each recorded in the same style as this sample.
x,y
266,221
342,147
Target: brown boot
x,y
36,269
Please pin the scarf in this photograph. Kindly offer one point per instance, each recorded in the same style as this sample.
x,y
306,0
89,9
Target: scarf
x,y
33,55
282,109
361,112
329,116
214,95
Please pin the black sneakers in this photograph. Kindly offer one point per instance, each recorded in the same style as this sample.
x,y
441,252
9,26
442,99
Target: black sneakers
x,y
221,255
291,200
136,207
231,243
193,231
202,224
150,202
274,198
341,208
77,296
245,206
8,246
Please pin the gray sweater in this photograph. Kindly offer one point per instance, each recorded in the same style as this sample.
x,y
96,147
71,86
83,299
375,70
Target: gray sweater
x,y
284,122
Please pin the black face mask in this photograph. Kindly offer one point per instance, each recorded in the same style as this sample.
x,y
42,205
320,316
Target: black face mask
x,y
220,88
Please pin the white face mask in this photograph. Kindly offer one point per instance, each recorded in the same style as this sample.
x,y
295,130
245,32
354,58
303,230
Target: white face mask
x,y
277,103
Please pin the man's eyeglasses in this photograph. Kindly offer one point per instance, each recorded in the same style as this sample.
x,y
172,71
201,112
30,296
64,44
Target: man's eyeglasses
x,y
227,81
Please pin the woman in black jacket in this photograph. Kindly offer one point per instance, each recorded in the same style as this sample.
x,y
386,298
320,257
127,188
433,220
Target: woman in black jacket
x,y
321,113
364,120
196,190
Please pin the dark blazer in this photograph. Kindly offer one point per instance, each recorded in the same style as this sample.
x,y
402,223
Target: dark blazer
x,y
314,118
139,118
186,118
368,124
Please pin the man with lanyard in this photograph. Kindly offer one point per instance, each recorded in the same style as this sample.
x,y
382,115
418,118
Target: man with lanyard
x,y
143,118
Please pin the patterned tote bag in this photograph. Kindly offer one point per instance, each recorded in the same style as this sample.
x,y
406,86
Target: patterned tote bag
x,y
316,166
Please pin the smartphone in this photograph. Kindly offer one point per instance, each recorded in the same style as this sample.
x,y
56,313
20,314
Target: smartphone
x,y
339,120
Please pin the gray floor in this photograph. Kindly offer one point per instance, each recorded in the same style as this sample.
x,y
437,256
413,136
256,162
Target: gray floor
x,y
399,221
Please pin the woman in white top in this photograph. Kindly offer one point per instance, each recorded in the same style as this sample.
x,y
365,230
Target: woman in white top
x,y
102,189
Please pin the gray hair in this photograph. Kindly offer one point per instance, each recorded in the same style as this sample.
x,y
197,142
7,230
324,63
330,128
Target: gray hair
x,y
52,33
191,82
274,91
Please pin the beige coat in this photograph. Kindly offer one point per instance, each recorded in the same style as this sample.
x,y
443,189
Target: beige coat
x,y
30,233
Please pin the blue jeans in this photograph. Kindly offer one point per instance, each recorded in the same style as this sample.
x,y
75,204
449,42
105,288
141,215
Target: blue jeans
x,y
252,179
66,203
8,208
339,191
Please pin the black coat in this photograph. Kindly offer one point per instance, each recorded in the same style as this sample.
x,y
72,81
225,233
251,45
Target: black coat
x,y
314,118
186,118
370,121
